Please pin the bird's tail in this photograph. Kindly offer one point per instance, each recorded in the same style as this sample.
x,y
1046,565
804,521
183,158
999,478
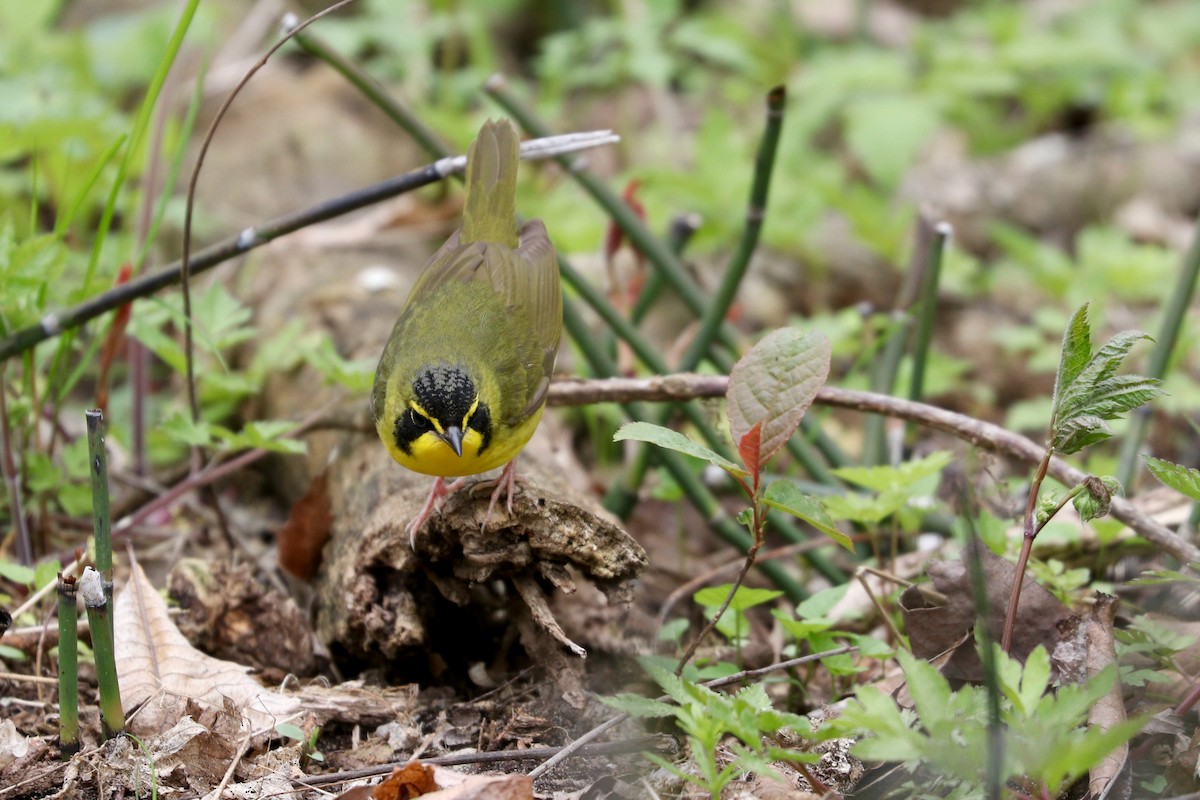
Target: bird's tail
x,y
491,205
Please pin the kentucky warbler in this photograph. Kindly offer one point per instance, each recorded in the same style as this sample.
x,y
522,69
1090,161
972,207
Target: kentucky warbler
x,y
461,383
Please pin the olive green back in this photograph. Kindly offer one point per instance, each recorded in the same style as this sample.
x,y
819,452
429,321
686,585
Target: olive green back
x,y
484,303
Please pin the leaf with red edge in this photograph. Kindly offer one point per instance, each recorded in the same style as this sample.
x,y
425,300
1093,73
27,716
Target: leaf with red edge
x,y
614,236
114,341
774,384
750,449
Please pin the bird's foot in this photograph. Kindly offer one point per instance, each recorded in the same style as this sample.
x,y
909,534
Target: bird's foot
x,y
437,493
502,486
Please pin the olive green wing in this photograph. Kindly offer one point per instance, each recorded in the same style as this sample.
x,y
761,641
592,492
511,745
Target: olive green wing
x,y
536,285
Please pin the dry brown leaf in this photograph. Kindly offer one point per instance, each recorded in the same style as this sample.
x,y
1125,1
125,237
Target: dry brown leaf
x,y
488,787
155,661
1110,709
414,779
935,628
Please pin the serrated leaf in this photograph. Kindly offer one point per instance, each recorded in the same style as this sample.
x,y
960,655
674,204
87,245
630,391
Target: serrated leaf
x,y
640,707
181,428
1072,435
888,478
674,440
774,384
1076,352
787,497
1178,477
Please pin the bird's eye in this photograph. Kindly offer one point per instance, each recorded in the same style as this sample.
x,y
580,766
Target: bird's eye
x,y
419,421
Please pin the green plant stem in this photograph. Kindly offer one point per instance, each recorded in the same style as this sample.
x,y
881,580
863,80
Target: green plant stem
x,y
720,522
756,526
396,111
101,521
8,465
68,669
54,324
659,255
886,366
622,494
1010,617
714,313
683,227
694,413
987,653
1177,305
112,716
668,265
927,310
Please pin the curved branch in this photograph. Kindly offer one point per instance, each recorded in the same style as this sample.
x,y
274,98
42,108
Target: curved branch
x,y
981,434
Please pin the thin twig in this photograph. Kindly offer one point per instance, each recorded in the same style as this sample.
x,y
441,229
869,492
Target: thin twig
x,y
978,433
55,323
641,744
185,266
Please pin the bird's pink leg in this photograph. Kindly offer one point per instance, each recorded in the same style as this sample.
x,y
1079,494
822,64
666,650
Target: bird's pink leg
x,y
505,483
438,492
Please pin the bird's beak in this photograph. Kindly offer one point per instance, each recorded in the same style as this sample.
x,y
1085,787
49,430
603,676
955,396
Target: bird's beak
x,y
453,437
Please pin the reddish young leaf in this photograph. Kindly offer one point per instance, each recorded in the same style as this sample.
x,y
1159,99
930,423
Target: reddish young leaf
x,y
774,384
750,448
114,341
614,236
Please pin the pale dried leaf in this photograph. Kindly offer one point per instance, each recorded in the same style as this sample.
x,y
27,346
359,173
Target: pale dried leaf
x,y
774,384
486,787
13,744
154,659
1109,711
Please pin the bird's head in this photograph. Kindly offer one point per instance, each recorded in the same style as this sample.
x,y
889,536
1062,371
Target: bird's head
x,y
442,407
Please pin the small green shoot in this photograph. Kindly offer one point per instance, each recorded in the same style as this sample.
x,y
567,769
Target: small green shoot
x,y
1046,745
308,742
770,389
743,722
1087,393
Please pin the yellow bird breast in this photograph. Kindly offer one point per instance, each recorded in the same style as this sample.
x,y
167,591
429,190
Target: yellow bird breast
x,y
430,455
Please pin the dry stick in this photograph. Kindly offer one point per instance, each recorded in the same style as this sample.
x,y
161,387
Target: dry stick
x,y
716,683
976,432
639,745
185,266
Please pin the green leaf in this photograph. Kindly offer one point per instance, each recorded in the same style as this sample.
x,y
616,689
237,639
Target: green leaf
x,y
17,573
745,597
640,707
1182,479
1072,435
181,428
929,688
888,478
674,440
821,603
289,731
787,497
1076,351
774,384
887,133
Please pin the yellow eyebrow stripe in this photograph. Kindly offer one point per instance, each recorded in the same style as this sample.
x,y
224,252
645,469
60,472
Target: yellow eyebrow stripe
x,y
416,407
470,413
